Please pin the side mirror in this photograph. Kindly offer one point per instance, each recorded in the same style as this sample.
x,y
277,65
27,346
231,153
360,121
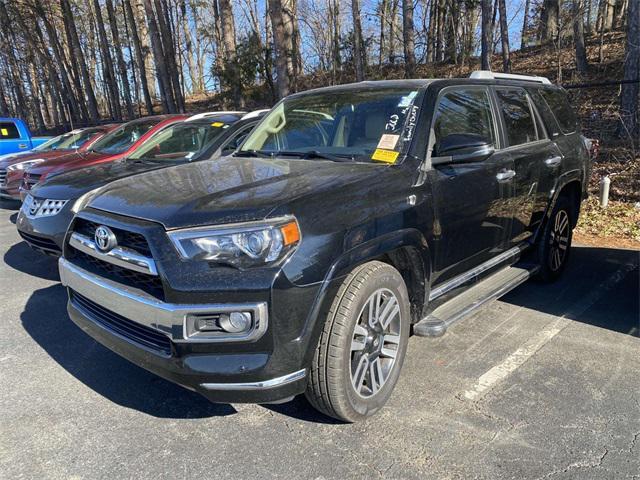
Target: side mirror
x,y
462,148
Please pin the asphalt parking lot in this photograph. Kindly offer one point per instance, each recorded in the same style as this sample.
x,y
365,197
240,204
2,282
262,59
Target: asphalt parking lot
x,y
544,383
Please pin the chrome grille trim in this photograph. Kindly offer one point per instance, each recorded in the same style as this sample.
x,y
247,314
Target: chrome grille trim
x,y
122,257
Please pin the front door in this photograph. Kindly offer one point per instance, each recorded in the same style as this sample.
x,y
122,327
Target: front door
x,y
471,201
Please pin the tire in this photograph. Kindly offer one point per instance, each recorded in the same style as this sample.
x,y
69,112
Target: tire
x,y
358,359
554,246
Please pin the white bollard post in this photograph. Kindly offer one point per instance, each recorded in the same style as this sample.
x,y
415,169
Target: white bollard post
x,y
604,191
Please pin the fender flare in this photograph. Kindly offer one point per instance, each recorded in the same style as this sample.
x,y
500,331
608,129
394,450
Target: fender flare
x,y
345,263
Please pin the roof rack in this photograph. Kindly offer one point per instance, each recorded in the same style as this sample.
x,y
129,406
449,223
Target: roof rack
x,y
487,75
200,116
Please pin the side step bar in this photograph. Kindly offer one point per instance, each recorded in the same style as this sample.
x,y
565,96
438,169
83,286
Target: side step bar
x,y
498,284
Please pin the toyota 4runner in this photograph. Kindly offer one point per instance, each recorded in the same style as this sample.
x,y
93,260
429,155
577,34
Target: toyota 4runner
x,y
349,219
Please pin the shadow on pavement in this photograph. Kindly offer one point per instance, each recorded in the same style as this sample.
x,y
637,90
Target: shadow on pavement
x,y
22,258
301,409
14,218
10,204
600,287
45,319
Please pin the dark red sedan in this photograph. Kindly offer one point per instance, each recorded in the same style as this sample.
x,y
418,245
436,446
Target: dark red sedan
x,y
12,167
118,144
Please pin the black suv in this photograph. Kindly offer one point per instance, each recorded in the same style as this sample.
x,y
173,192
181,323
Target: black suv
x,y
350,217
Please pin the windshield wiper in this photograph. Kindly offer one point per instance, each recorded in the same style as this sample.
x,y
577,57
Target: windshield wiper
x,y
317,154
254,153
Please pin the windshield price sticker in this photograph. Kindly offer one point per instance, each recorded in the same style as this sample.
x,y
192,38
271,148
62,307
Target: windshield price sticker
x,y
386,156
388,142
5,132
217,124
407,99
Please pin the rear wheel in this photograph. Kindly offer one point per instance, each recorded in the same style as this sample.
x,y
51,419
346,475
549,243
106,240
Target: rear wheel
x,y
362,346
555,243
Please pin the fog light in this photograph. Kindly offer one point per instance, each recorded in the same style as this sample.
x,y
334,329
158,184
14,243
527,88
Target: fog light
x,y
207,324
235,322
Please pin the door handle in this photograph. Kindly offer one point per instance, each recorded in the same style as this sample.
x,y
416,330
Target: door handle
x,y
505,175
22,146
553,162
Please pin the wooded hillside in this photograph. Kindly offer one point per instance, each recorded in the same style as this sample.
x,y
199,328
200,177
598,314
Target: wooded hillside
x,y
72,62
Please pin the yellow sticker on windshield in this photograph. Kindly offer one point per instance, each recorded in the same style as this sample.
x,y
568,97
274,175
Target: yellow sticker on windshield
x,y
217,124
5,132
386,156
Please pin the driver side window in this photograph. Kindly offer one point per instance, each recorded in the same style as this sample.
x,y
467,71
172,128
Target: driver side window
x,y
464,112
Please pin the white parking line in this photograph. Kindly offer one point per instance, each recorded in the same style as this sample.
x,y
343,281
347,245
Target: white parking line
x,y
517,358
521,355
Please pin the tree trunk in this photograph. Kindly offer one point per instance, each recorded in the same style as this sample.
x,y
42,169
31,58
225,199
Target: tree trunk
x,y
525,25
140,16
140,59
358,48
109,72
122,67
164,82
629,102
74,44
486,47
504,35
231,68
383,7
578,36
549,20
169,55
280,43
188,46
408,37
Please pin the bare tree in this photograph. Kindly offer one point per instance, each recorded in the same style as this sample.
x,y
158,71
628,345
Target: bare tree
x,y
122,67
582,64
408,37
487,47
140,59
358,43
504,35
164,82
629,102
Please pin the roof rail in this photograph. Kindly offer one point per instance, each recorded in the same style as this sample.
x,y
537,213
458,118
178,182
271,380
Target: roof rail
x,y
487,75
255,113
202,115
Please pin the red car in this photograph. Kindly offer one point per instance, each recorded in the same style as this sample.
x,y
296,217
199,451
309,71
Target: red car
x,y
12,167
117,145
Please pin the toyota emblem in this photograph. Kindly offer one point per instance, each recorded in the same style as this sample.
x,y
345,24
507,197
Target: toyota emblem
x,y
105,239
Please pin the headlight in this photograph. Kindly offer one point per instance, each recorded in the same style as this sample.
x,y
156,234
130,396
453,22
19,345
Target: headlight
x,y
242,245
24,165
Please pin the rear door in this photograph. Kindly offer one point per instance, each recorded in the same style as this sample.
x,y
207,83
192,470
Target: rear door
x,y
12,139
470,200
534,158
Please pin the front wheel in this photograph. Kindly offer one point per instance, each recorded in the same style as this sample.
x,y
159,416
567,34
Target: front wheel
x,y
555,243
363,344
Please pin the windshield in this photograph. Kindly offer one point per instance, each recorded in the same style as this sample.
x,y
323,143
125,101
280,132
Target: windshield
x,y
365,125
122,138
181,142
51,144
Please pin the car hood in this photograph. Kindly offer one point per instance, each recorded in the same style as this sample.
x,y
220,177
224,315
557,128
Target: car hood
x,y
75,183
8,160
228,190
66,162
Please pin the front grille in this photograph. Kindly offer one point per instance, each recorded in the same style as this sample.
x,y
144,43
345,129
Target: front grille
x,y
148,283
40,243
135,332
3,177
132,240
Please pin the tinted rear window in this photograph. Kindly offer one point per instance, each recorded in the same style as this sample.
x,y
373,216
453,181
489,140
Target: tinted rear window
x,y
518,119
8,131
561,108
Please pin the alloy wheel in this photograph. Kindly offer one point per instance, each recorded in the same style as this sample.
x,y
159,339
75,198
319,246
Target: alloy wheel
x,y
559,240
375,342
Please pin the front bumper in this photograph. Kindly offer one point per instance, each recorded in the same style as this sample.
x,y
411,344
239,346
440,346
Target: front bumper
x,y
45,234
220,373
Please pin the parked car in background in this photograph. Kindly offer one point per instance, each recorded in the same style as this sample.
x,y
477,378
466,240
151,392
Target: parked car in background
x,y
15,136
350,217
49,207
119,143
12,167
